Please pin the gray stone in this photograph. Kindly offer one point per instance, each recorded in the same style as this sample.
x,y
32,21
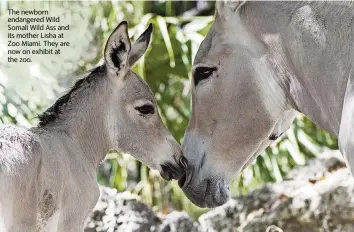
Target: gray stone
x,y
316,197
121,212
178,221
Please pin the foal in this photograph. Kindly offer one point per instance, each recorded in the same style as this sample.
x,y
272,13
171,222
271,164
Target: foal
x,y
48,173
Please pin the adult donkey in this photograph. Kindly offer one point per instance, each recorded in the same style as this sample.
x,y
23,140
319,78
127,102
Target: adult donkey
x,y
48,173
260,63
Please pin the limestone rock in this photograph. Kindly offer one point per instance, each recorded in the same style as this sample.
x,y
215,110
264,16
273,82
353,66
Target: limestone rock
x,y
120,212
316,197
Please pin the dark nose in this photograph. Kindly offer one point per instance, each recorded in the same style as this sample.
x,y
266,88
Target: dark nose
x,y
171,171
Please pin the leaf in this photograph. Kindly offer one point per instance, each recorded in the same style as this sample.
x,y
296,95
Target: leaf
x,y
163,29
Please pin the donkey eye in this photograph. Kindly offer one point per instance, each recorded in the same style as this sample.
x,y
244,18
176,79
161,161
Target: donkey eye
x,y
145,109
202,73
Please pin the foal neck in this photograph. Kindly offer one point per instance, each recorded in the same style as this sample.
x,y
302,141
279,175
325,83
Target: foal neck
x,y
88,127
80,116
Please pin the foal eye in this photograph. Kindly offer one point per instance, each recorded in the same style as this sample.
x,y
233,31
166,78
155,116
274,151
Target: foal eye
x,y
145,109
202,73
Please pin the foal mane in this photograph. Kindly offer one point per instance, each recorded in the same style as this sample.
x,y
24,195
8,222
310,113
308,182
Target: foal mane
x,y
53,113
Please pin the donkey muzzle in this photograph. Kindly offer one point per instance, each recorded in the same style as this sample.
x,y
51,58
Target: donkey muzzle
x,y
176,171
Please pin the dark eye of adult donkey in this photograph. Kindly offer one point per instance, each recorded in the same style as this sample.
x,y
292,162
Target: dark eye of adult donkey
x,y
48,173
260,63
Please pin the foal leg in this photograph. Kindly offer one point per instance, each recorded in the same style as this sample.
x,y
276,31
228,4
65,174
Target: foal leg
x,y
76,209
71,221
20,216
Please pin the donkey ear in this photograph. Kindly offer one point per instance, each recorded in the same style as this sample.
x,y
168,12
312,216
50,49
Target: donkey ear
x,y
223,7
140,46
117,48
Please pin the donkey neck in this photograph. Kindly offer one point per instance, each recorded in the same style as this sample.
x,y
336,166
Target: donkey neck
x,y
320,58
82,121
310,48
90,134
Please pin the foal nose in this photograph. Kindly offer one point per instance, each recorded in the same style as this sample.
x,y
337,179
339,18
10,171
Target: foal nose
x,y
171,171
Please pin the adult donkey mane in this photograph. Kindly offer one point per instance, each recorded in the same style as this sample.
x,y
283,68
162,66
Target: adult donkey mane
x,y
58,108
48,173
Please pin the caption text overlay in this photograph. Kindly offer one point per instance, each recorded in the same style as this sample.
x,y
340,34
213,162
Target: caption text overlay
x,y
34,33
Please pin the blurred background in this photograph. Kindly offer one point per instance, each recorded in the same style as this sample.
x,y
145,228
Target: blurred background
x,y
179,27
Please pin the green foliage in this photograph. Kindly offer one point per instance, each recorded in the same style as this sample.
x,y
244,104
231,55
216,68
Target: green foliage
x,y
166,67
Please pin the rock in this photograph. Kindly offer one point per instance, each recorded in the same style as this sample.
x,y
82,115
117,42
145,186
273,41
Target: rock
x,y
117,212
315,169
178,221
317,197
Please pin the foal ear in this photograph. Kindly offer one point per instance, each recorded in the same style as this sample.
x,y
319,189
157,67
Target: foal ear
x,y
140,46
117,48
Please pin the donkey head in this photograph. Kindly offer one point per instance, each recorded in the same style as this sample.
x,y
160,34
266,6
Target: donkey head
x,y
236,110
134,122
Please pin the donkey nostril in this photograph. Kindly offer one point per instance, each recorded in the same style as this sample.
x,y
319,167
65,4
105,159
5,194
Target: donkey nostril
x,y
182,180
165,172
184,162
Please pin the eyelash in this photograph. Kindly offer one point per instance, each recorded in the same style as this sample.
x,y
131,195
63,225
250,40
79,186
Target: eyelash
x,y
145,109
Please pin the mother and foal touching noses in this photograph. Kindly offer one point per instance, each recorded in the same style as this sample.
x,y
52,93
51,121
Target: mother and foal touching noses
x,y
260,64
